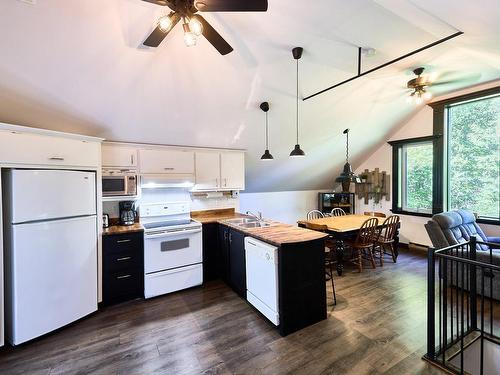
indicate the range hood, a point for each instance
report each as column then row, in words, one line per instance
column 166, row 181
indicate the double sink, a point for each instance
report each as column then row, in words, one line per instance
column 248, row 222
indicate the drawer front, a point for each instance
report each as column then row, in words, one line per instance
column 121, row 262
column 123, row 244
column 159, row 283
column 122, row 285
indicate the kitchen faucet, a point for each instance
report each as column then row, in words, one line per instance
column 258, row 216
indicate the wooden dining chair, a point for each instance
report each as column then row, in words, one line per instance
column 374, row 213
column 337, row 212
column 315, row 214
column 330, row 256
column 384, row 242
column 362, row 246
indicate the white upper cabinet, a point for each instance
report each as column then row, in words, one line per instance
column 166, row 161
column 24, row 147
column 207, row 170
column 119, row 156
column 232, row 170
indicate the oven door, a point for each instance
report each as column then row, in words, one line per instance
column 172, row 249
column 114, row 185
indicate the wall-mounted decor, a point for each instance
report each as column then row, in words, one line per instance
column 374, row 185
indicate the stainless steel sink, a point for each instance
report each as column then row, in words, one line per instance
column 241, row 220
column 255, row 224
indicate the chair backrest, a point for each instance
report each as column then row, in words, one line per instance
column 376, row 214
column 367, row 232
column 337, row 212
column 458, row 226
column 389, row 229
column 315, row 214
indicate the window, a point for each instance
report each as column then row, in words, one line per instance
column 413, row 175
column 458, row 166
column 417, row 177
column 473, row 157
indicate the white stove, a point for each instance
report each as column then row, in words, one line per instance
column 172, row 248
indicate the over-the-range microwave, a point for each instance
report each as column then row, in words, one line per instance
column 119, row 182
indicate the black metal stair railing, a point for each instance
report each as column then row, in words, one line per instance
column 460, row 304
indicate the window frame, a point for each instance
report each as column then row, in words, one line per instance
column 441, row 126
column 397, row 164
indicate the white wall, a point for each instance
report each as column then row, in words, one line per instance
column 412, row 227
column 284, row 206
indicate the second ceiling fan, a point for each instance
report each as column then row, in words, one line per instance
column 194, row 24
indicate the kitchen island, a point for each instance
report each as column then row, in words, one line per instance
column 301, row 271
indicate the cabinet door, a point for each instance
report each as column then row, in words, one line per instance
column 118, row 156
column 207, row 170
column 237, row 266
column 232, row 166
column 166, row 161
column 223, row 253
column 210, row 251
column 38, row 149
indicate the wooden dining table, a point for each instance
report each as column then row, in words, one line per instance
column 341, row 228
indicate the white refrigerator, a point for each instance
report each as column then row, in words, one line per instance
column 50, row 250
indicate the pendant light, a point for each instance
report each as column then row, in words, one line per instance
column 267, row 155
column 347, row 176
column 297, row 152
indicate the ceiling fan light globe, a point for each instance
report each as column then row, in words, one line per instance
column 427, row 95
column 196, row 27
column 189, row 39
column 419, row 100
column 165, row 23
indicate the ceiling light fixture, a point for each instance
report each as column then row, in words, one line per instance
column 189, row 36
column 267, row 155
column 419, row 87
column 297, row 151
column 196, row 27
column 165, row 23
column 347, row 176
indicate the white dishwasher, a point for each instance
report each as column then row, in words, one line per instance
column 262, row 277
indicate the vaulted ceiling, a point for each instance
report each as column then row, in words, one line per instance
column 78, row 66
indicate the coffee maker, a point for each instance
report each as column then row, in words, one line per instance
column 127, row 212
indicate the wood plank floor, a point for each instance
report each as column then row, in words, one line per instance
column 378, row 326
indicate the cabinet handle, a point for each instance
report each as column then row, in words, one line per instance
column 169, row 169
column 132, row 159
column 225, row 235
column 122, row 259
column 225, row 182
column 123, row 241
column 123, row 277
column 216, row 182
column 57, row 158
column 230, row 237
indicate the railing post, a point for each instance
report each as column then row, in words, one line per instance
column 473, row 283
column 431, row 304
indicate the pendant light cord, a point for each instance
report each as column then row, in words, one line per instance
column 347, row 148
column 267, row 134
column 297, row 101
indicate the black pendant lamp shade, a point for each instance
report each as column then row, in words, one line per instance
column 267, row 155
column 347, row 176
column 297, row 151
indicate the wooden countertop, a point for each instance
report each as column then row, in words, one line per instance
column 276, row 234
column 122, row 229
column 215, row 216
column 345, row 223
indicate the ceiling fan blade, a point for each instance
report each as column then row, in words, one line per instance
column 159, row 2
column 458, row 78
column 214, row 37
column 156, row 37
column 231, row 5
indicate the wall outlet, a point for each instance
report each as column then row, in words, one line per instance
column 30, row 2
column 235, row 193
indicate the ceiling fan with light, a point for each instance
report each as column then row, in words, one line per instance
column 195, row 25
column 418, row 86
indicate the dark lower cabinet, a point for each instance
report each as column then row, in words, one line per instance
column 237, row 265
column 210, row 251
column 122, row 267
column 223, row 253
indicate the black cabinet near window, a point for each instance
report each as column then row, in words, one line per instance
column 122, row 267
